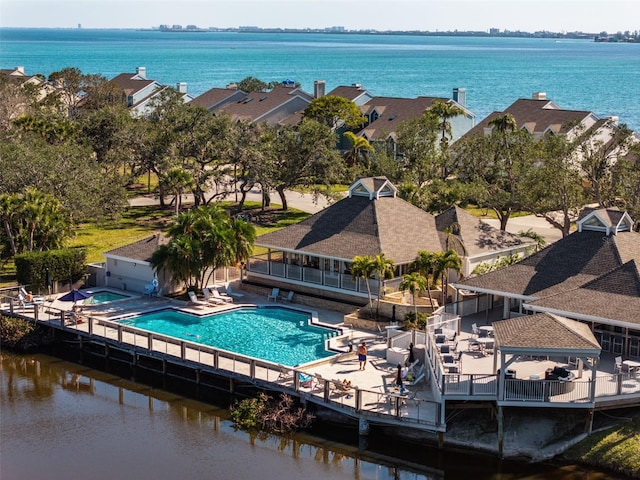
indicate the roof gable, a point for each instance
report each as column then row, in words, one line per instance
column 140, row 251
column 373, row 187
column 544, row 331
column 607, row 220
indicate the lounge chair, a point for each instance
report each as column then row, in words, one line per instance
column 220, row 296
column 231, row 293
column 285, row 374
column 23, row 302
column 36, row 298
column 212, row 299
column 195, row 301
column 419, row 376
column 288, row 297
column 273, row 295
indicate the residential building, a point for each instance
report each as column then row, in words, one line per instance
column 141, row 91
column 592, row 275
column 315, row 255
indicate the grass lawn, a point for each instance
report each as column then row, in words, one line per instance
column 617, row 449
column 489, row 213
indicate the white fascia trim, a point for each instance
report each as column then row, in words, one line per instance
column 126, row 259
column 581, row 316
column 459, row 286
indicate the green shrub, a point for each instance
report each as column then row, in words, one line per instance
column 418, row 321
column 19, row 334
column 281, row 416
column 67, row 265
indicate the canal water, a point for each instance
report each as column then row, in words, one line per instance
column 60, row 420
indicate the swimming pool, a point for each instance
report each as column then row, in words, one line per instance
column 276, row 334
column 104, row 296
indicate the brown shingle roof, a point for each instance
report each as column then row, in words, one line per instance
column 564, row 265
column 258, row 104
column 217, row 98
column 389, row 225
column 130, row 84
column 359, row 226
column 537, row 116
column 544, row 331
column 393, row 111
column 142, row 250
column 476, row 236
column 616, row 293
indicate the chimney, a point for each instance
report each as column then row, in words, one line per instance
column 232, row 86
column 20, row 70
column 318, row 88
column 181, row 87
column 539, row 95
column 142, row 72
column 460, row 96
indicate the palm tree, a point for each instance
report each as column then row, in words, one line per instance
column 177, row 181
column 363, row 267
column 446, row 261
column 504, row 123
column 425, row 264
column 415, row 283
column 445, row 111
column 202, row 240
column 360, row 149
column 383, row 268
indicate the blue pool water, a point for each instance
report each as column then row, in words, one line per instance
column 275, row 334
column 104, row 297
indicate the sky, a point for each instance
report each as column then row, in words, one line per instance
column 593, row 16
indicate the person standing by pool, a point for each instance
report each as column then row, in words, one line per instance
column 362, row 355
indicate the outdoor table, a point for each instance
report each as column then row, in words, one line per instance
column 485, row 342
column 632, row 365
column 487, row 329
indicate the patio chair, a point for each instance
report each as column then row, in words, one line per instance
column 194, row 300
column 475, row 330
column 618, row 365
column 288, row 297
column 285, row 375
column 273, row 295
column 231, row 293
column 211, row 298
column 218, row 296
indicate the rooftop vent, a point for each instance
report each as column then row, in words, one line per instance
column 539, row 95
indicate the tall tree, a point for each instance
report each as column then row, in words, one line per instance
column 360, row 151
column 425, row 265
column 555, row 190
column 446, row 261
column 177, row 181
column 415, row 283
column 202, row 240
column 445, row 111
column 417, row 149
column 384, row 268
column 334, row 112
column 497, row 165
column 363, row 267
column 305, row 156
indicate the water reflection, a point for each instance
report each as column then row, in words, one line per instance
column 61, row 421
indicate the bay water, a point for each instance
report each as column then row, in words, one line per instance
column 496, row 71
column 64, row 421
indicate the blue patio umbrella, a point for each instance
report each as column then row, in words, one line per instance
column 75, row 295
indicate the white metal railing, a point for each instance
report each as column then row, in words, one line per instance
column 312, row 275
column 294, row 272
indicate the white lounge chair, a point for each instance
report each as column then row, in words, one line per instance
column 150, row 288
column 273, row 295
column 211, row 298
column 419, row 376
column 195, row 301
column 219, row 296
column 35, row 299
column 231, row 293
column 288, row 297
